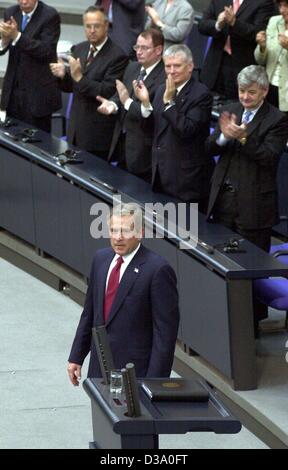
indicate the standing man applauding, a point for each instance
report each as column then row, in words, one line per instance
column 181, row 110
column 131, row 128
column 30, row 32
column 93, row 69
column 232, row 25
column 250, row 138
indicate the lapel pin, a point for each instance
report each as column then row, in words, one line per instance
column 136, row 270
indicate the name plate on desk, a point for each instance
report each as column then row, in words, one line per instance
column 175, row 390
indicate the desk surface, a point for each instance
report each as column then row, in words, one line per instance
column 252, row 264
column 163, row 417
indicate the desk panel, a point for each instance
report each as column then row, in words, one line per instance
column 90, row 244
column 58, row 217
column 282, row 177
column 204, row 312
column 16, row 196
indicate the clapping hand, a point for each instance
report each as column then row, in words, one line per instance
column 283, row 40
column 153, row 14
column 229, row 128
column 170, row 90
column 9, row 31
column 221, row 19
column 141, row 92
column 58, row 68
column 261, row 39
column 106, row 107
column 75, row 69
column 230, row 16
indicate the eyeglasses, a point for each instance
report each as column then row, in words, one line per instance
column 143, row 48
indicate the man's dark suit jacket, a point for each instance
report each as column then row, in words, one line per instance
column 143, row 323
column 89, row 129
column 139, row 134
column 28, row 65
column 179, row 139
column 257, row 165
column 251, row 17
column 128, row 22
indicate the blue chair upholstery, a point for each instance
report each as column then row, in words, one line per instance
column 273, row 292
column 64, row 118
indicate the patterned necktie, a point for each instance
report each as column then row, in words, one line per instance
column 141, row 76
column 25, row 19
column 247, row 116
column 91, row 55
column 227, row 47
column 113, row 284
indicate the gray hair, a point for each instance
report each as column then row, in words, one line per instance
column 180, row 49
column 129, row 209
column 96, row 9
column 253, row 74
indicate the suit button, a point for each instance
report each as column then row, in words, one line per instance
column 158, row 148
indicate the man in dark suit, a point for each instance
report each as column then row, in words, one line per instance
column 133, row 292
column 132, row 139
column 250, row 137
column 126, row 21
column 181, row 111
column 94, row 68
column 30, row 32
column 233, row 26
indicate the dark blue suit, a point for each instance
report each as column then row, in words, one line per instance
column 28, row 77
column 143, row 323
column 178, row 152
column 128, row 22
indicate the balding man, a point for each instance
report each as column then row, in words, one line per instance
column 94, row 68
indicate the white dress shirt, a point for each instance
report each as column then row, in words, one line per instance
column 126, row 261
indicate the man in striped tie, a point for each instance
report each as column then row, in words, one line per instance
column 132, row 290
column 94, row 67
column 250, row 138
column 130, row 128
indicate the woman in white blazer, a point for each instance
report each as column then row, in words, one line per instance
column 272, row 52
column 173, row 17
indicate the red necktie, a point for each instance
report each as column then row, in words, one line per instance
column 227, row 47
column 106, row 5
column 113, row 284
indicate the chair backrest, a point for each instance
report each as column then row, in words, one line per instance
column 68, row 107
column 280, row 252
column 199, row 45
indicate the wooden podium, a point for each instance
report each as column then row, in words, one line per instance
column 112, row 429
